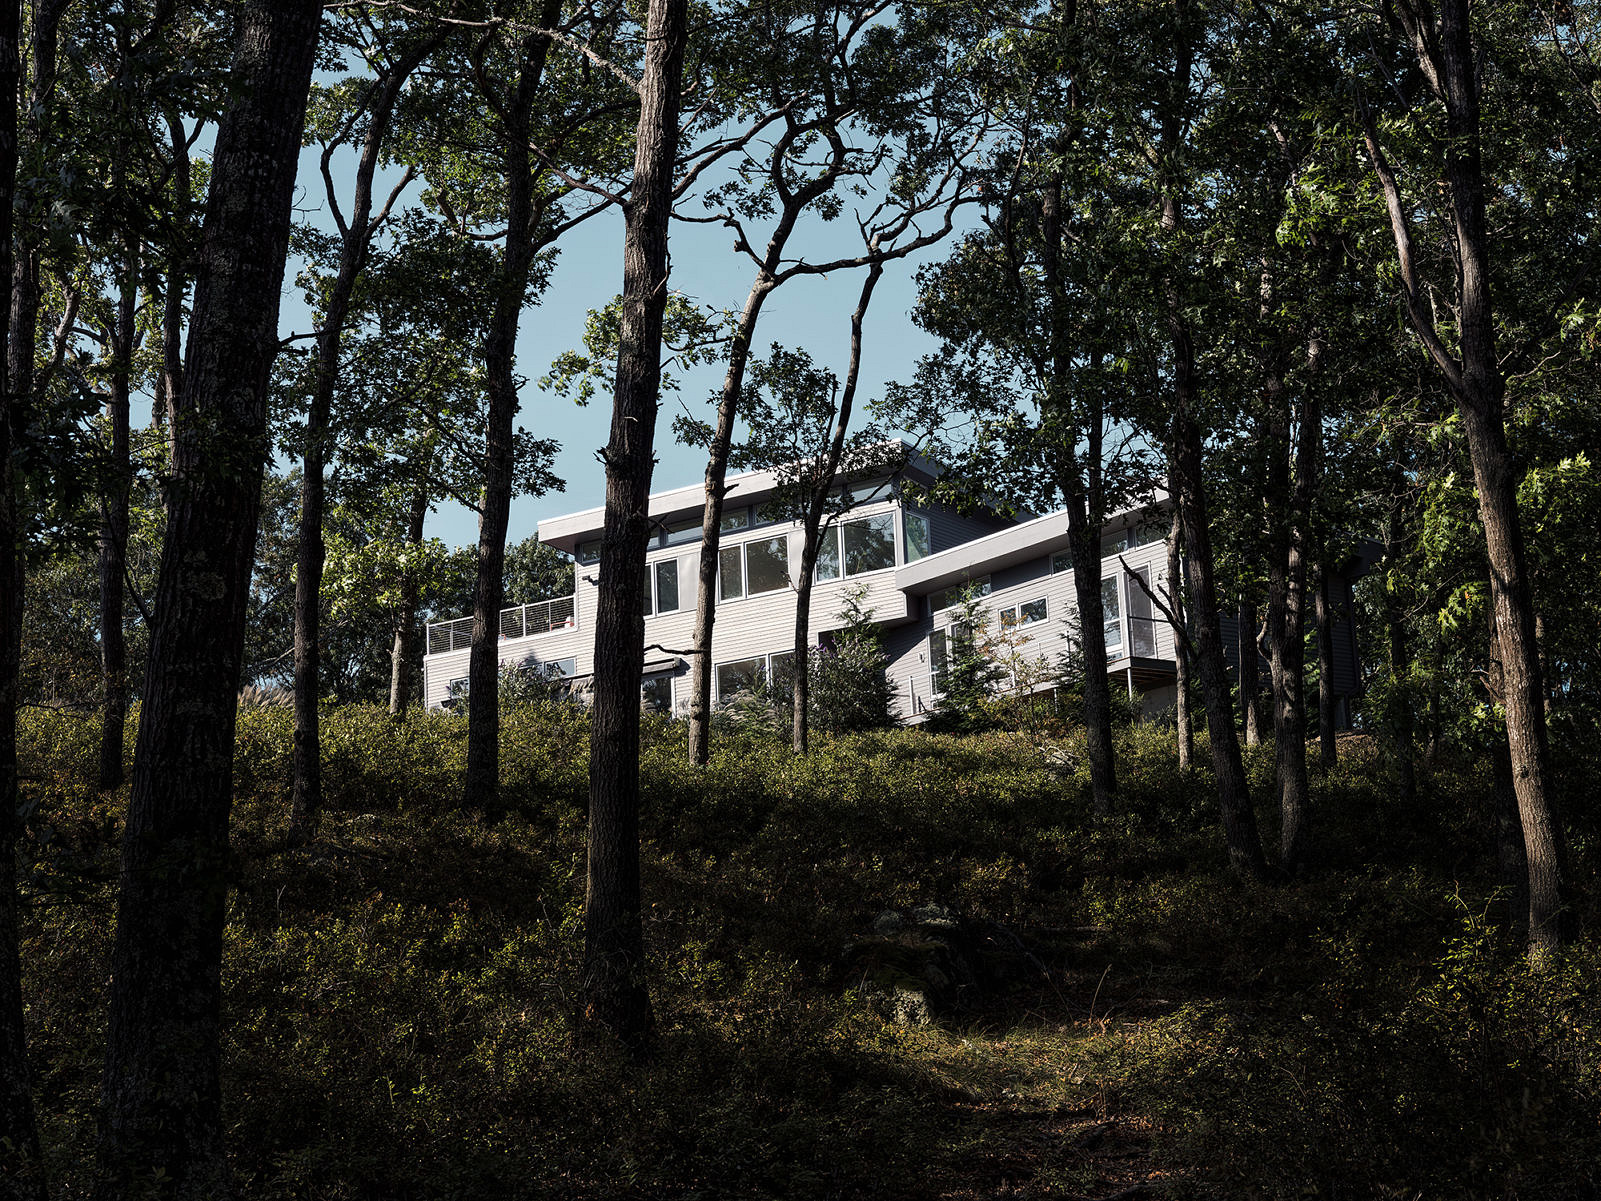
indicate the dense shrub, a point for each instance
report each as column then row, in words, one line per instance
column 400, row 996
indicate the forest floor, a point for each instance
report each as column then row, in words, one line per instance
column 1123, row 1018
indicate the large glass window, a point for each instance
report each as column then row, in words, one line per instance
column 731, row 573
column 667, row 586
column 1111, row 614
column 869, row 543
column 767, row 564
column 943, row 647
column 919, row 536
column 738, row 676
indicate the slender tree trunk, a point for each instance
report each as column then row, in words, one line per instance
column 1510, row 855
column 615, row 995
column 1181, row 651
column 402, row 657
column 114, row 534
column 700, row 678
column 161, row 1127
column 482, row 784
column 311, row 551
column 1085, row 518
column 1446, row 52
column 177, row 283
column 1240, row 834
column 21, row 1175
column 802, row 684
column 1250, row 672
column 1234, row 797
column 1326, row 697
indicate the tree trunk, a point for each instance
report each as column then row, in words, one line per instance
column 482, row 785
column 1181, row 651
column 114, row 534
column 402, row 657
column 700, row 678
column 1509, row 849
column 1326, row 698
column 311, row 551
column 1234, row 798
column 802, row 684
column 614, row 989
column 1479, row 389
column 21, row 1175
column 177, row 284
column 1250, row 672
column 161, row 1127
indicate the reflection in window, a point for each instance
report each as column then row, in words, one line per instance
column 767, row 564
column 656, row 694
column 742, row 675
column 731, row 573
column 1116, row 544
column 1031, row 612
column 828, row 554
column 667, row 586
column 869, row 544
column 589, row 552
column 1061, row 561
column 919, row 537
column 1111, row 614
column 736, row 519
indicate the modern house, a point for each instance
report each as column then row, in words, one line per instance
column 912, row 561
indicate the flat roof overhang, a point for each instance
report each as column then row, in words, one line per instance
column 995, row 552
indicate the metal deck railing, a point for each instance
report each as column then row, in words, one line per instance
column 524, row 621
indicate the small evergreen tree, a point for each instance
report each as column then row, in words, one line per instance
column 850, row 685
column 971, row 671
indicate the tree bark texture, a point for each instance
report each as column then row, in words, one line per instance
column 1510, row 856
column 800, row 730
column 482, row 784
column 1240, row 834
column 615, row 996
column 311, row 551
column 700, row 678
column 404, row 653
column 161, row 1120
column 1181, row 651
column 1326, row 696
column 1446, row 54
column 114, row 533
column 1250, row 673
column 1081, row 489
column 21, row 1176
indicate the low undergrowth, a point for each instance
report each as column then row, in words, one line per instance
column 401, row 996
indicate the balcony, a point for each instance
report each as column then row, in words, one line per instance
column 524, row 621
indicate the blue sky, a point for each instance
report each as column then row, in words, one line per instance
column 812, row 313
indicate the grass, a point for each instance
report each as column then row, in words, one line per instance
column 400, row 996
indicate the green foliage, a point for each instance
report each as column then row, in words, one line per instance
column 536, row 572
column 973, row 670
column 400, row 997
column 850, row 690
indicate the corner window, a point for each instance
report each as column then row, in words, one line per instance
column 919, row 536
